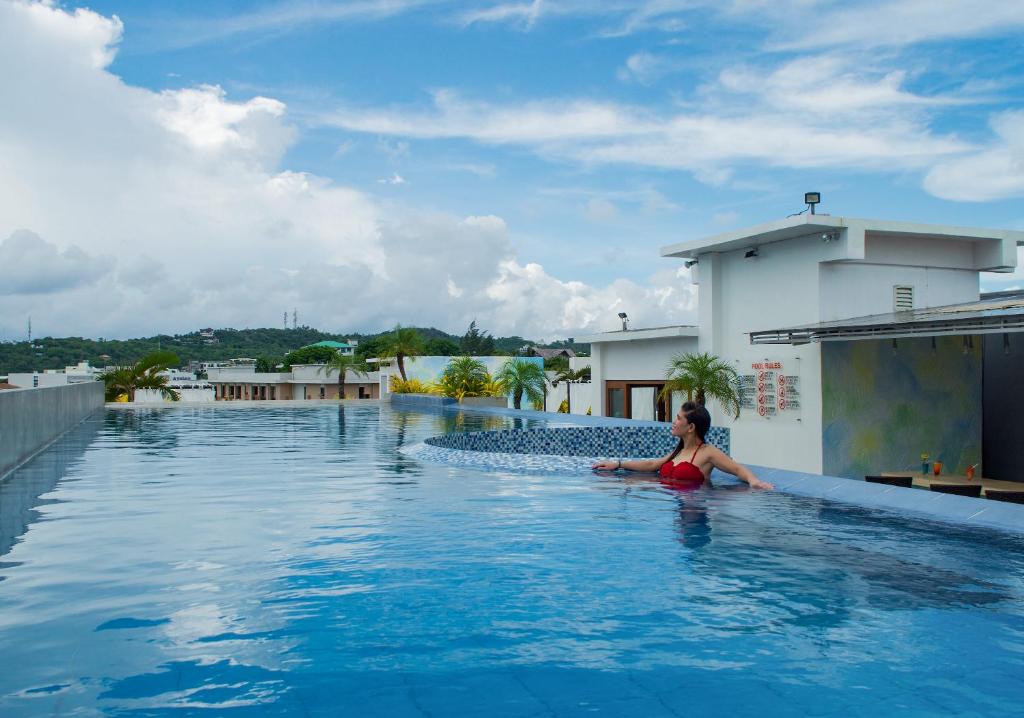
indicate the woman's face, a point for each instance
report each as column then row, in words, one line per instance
column 680, row 426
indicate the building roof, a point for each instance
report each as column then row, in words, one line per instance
column 330, row 344
column 991, row 314
column 6, row 385
column 631, row 335
column 1002, row 259
column 548, row 353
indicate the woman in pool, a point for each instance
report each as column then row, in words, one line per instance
column 696, row 458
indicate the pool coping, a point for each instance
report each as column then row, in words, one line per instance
column 918, row 503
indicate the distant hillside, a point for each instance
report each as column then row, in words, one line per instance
column 56, row 353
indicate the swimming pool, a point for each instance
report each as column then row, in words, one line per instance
column 295, row 561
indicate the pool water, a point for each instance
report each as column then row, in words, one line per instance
column 293, row 561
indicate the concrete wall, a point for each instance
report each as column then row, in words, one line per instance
column 32, row 418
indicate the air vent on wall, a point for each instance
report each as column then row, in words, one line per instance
column 902, row 298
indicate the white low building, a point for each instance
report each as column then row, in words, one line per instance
column 799, row 271
column 77, row 374
column 628, row 369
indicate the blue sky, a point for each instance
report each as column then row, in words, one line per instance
column 433, row 162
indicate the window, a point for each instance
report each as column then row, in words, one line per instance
column 617, row 403
column 902, row 298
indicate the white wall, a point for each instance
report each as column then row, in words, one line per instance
column 646, row 359
column 779, row 288
column 189, row 396
column 24, row 380
column 584, row 396
column 867, row 288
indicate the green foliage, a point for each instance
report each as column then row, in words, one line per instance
column 465, row 376
column 308, row 355
column 125, row 381
column 477, row 343
column 411, row 386
column 56, row 353
column 438, row 347
column 703, row 376
column 345, row 365
column 265, row 365
column 401, row 343
column 520, row 377
column 556, row 363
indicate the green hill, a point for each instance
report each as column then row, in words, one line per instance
column 56, row 353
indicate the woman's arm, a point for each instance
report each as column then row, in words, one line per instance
column 632, row 464
column 724, row 462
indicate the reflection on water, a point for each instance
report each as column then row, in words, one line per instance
column 293, row 561
column 22, row 491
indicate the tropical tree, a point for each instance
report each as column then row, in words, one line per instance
column 465, row 376
column 401, row 343
column 143, row 374
column 522, row 377
column 344, row 364
column 570, row 377
column 476, row 343
column 703, row 376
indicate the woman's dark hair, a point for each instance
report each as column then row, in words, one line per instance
column 701, row 420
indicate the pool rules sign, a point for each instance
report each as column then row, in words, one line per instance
column 768, row 391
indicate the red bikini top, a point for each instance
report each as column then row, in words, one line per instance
column 684, row 471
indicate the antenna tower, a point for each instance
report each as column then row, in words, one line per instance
column 295, row 318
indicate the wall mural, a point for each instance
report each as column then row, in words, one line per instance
column 883, row 407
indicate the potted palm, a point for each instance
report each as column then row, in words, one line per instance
column 703, row 376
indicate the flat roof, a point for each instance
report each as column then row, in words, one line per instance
column 987, row 316
column 792, row 227
column 629, row 335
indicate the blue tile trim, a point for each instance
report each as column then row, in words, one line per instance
column 617, row 441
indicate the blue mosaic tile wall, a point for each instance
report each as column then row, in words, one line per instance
column 617, row 441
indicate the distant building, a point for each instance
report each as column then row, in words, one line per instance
column 303, row 382
column 544, row 353
column 77, row 374
column 344, row 348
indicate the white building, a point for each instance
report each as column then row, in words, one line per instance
column 798, row 271
column 628, row 370
column 77, row 374
column 303, row 382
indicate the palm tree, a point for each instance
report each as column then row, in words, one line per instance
column 704, row 376
column 522, row 377
column 402, row 343
column 143, row 374
column 570, row 377
column 465, row 376
column 344, row 364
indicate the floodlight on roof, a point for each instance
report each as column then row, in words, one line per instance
column 625, row 320
column 811, row 199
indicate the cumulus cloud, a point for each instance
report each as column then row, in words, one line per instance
column 169, row 211
column 30, row 265
column 995, row 172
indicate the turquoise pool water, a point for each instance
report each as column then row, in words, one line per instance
column 293, row 561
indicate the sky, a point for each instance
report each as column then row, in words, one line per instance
column 171, row 166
